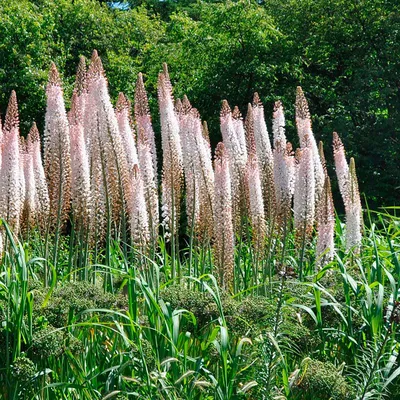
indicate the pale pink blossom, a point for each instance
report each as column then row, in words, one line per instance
column 284, row 176
column 149, row 179
column 353, row 211
column 304, row 194
column 326, row 226
column 57, row 156
column 29, row 210
column 10, row 175
column 143, row 119
column 278, row 124
column 265, row 157
column 138, row 212
column 80, row 189
column 109, row 169
column 224, row 237
column 42, row 201
column 189, row 157
column 172, row 173
column 231, row 130
column 122, row 111
column 306, row 136
column 342, row 168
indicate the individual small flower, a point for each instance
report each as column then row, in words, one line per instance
column 57, row 156
column 265, row 157
column 223, row 226
column 10, row 175
column 172, row 173
column 304, row 194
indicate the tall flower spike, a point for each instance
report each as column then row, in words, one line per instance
column 278, row 124
column 28, row 215
column 265, row 157
column 10, row 175
column 143, row 119
column 42, row 201
column 326, row 226
column 325, row 219
column 80, row 79
column 224, row 237
column 57, row 156
column 204, row 177
column 186, row 122
column 254, row 189
column 206, row 134
column 304, row 130
column 22, row 152
column 81, row 191
column 172, row 172
column 81, row 85
column 138, row 212
column 109, row 170
column 341, row 166
column 284, row 176
column 149, row 179
column 353, row 211
column 304, row 194
column 122, row 111
column 231, row 130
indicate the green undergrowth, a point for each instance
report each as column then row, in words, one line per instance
column 129, row 331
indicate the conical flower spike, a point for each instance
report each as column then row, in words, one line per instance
column 10, row 176
column 224, row 237
column 57, row 156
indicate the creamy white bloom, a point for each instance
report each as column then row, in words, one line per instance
column 10, row 175
column 57, row 156
column 172, row 174
column 224, row 237
column 304, row 194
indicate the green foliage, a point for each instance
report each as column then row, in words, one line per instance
column 322, row 381
column 73, row 298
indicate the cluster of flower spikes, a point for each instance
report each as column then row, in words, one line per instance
column 102, row 165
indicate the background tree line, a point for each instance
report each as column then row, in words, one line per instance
column 344, row 53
